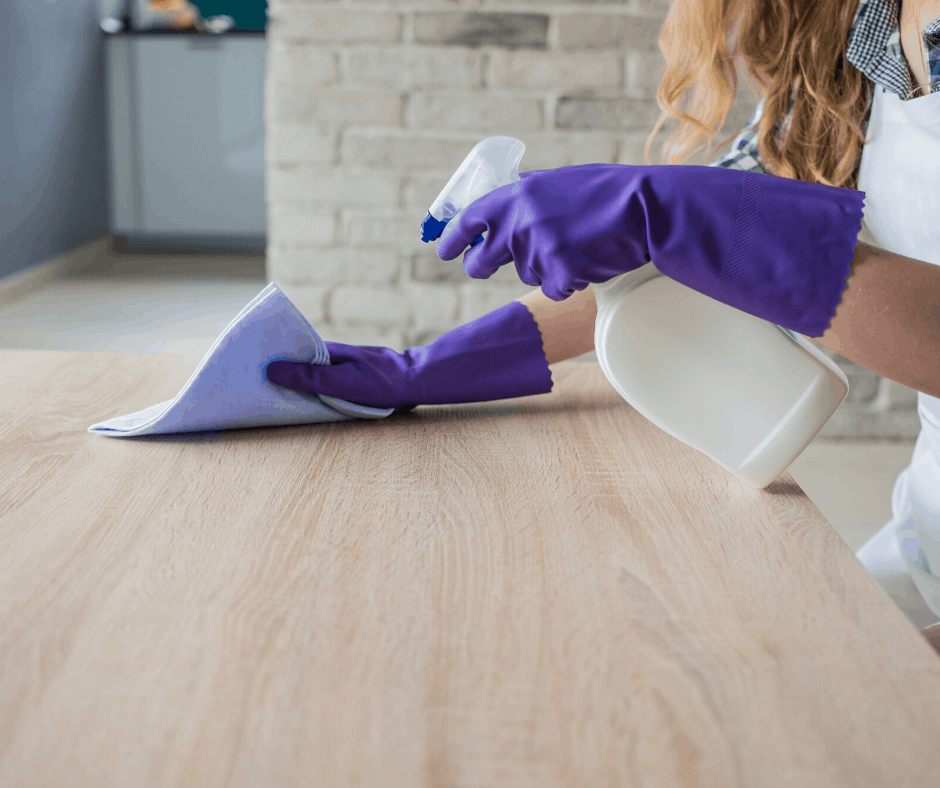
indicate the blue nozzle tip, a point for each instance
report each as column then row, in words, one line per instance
column 431, row 228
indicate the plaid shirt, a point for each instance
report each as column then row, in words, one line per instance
column 874, row 47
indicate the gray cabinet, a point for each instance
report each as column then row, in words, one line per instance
column 187, row 138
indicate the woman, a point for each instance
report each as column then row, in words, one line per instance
column 783, row 248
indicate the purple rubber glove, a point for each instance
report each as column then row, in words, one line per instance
column 773, row 247
column 497, row 356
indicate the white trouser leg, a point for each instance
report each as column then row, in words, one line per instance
column 881, row 556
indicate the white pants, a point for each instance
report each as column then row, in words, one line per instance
column 882, row 556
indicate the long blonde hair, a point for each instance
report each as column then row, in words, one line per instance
column 792, row 50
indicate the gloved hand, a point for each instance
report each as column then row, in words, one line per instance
column 497, row 356
column 776, row 248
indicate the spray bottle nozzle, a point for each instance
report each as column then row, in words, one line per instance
column 492, row 163
column 431, row 228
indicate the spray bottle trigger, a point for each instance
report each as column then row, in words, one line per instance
column 477, row 240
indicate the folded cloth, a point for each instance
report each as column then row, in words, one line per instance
column 229, row 389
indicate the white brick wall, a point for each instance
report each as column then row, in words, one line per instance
column 372, row 104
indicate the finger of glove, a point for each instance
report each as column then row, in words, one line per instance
column 527, row 274
column 459, row 233
column 299, row 376
column 484, row 260
column 340, row 353
column 553, row 292
column 346, row 381
column 560, row 286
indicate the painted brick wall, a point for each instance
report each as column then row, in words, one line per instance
column 370, row 106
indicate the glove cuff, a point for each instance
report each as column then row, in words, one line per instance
column 790, row 252
column 497, row 356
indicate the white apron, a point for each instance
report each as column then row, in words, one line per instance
column 900, row 175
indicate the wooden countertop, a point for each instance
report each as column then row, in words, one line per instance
column 547, row 591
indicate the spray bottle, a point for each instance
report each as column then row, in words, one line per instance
column 747, row 393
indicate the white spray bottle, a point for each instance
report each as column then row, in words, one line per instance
column 747, row 393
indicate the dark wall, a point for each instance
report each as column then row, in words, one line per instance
column 53, row 165
column 248, row 14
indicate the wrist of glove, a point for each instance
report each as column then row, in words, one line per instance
column 497, row 356
column 776, row 248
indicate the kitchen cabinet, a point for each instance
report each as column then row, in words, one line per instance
column 187, row 137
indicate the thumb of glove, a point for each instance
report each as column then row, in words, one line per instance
column 301, row 376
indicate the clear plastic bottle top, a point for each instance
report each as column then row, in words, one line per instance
column 492, row 163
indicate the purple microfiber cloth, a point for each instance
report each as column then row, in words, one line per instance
column 229, row 388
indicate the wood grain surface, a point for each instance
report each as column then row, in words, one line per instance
column 547, row 591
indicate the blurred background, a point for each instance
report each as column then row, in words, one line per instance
column 166, row 158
